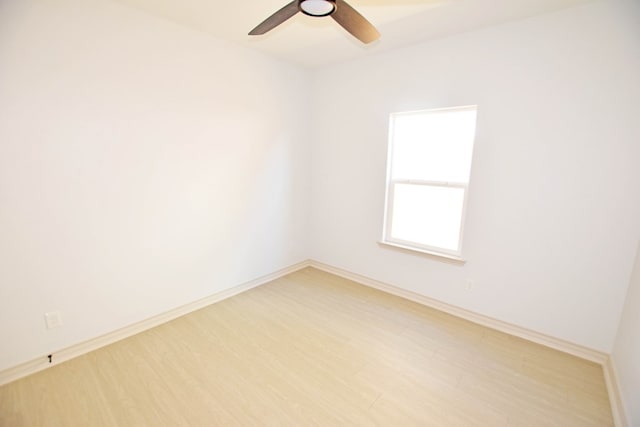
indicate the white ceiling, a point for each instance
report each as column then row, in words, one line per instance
column 314, row 42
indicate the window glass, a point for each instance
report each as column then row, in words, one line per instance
column 429, row 167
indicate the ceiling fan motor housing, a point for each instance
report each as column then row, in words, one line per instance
column 317, row 8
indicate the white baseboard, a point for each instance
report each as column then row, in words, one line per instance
column 79, row 349
column 548, row 341
column 620, row 416
column 41, row 363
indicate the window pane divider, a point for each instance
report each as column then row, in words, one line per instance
column 431, row 183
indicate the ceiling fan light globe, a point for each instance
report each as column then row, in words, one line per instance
column 317, row 7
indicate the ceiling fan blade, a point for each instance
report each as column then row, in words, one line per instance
column 355, row 23
column 276, row 19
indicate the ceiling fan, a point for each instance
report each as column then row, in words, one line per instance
column 339, row 10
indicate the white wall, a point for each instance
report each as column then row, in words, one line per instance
column 554, row 210
column 142, row 166
column 626, row 353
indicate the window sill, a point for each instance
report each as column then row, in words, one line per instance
column 439, row 256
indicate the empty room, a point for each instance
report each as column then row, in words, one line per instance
column 320, row 212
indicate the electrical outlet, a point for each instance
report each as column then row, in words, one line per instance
column 468, row 285
column 53, row 319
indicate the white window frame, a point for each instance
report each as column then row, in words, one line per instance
column 389, row 198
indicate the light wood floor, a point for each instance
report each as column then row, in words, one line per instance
column 314, row 349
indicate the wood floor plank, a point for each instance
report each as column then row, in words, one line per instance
column 311, row 349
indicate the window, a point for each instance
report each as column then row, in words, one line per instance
column 428, row 179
